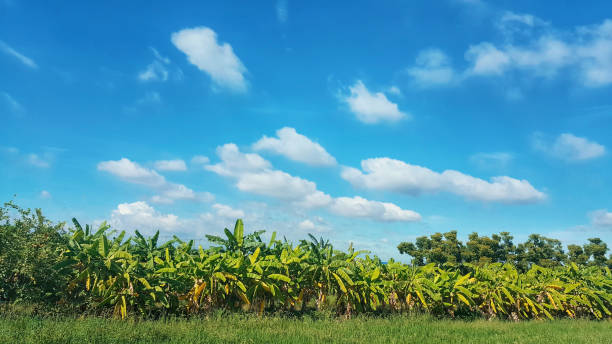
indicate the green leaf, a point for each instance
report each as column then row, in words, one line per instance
column 340, row 283
column 239, row 232
column 280, row 277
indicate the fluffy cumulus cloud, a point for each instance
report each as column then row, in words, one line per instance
column 306, row 225
column 145, row 218
column 432, row 68
column 45, row 194
column 5, row 48
column 601, row 218
column 235, row 163
column 142, row 217
column 255, row 175
column 370, row 107
column 212, row 57
column 381, row 211
column 171, row 165
column 132, row 172
column 295, row 146
column 569, row 147
column 395, row 175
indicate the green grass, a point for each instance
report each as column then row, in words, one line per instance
column 250, row 329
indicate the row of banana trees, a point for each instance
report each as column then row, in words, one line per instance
column 140, row 276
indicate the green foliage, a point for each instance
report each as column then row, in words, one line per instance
column 499, row 248
column 102, row 272
column 29, row 249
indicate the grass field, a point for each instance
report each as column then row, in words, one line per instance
column 249, row 329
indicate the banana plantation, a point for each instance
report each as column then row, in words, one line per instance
column 239, row 272
column 99, row 271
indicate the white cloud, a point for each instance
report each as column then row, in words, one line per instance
column 512, row 24
column 486, row 59
column 432, row 68
column 37, row 161
column 159, row 57
column 281, row 185
column 45, row 194
column 296, row 147
column 380, row 211
column 306, row 225
column 149, row 98
column 372, row 108
column 13, row 105
column 132, row 172
column 492, row 160
column 586, row 50
column 200, row 160
column 145, row 218
column 142, row 217
column 394, row 90
column 395, row 175
column 42, row 160
column 282, row 12
column 217, row 60
column 171, row 165
column 569, row 147
column 22, row 58
column 234, row 163
column 226, row 211
column 255, row 175
column 155, row 71
column 601, row 218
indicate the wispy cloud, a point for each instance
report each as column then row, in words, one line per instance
column 282, row 11
column 19, row 56
column 13, row 105
column 432, row 68
column 171, row 165
column 601, row 218
column 532, row 47
column 568, row 147
column 492, row 160
column 156, row 70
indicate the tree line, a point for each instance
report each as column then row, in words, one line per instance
column 445, row 248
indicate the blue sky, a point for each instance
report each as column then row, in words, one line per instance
column 364, row 122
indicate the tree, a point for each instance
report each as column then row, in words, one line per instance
column 540, row 250
column 438, row 248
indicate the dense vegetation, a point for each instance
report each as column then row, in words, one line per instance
column 95, row 271
column 546, row 252
column 227, row 328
